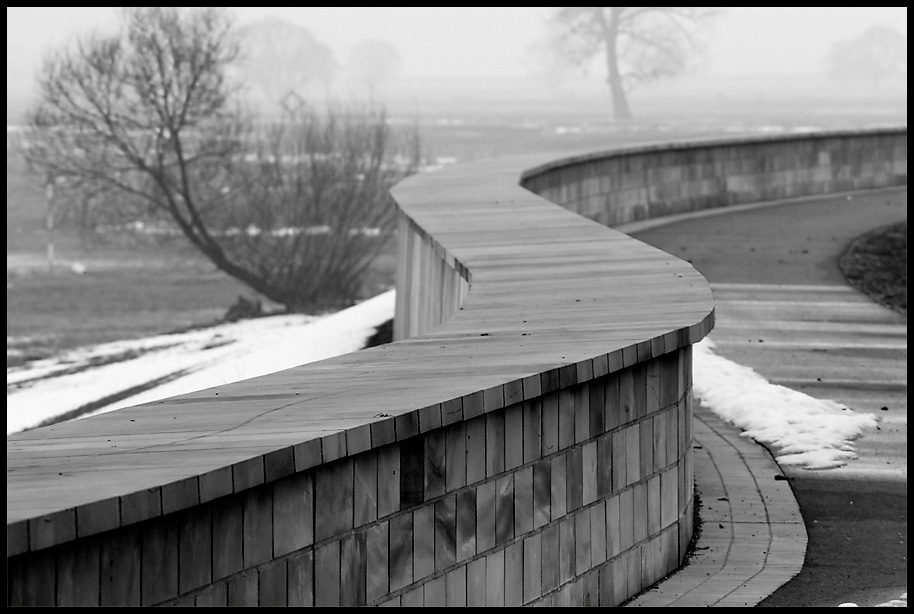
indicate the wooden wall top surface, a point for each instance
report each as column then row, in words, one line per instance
column 554, row 299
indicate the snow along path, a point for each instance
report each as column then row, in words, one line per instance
column 804, row 431
column 144, row 370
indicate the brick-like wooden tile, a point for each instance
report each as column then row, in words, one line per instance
column 195, row 548
column 456, row 588
column 78, row 568
column 258, row 527
column 300, row 582
column 485, row 516
column 327, row 575
column 228, row 537
column 495, row 579
column 159, row 562
column 445, row 532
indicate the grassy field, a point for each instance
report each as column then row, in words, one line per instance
column 877, row 265
column 137, row 292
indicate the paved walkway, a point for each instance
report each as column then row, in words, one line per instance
column 783, row 309
column 752, row 535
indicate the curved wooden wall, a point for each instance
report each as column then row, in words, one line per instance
column 526, row 440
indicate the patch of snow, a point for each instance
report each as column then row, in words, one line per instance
column 805, row 431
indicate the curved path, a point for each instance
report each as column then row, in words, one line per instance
column 783, row 308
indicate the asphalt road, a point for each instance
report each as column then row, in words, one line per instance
column 784, row 309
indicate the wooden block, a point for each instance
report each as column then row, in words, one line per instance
column 550, row 564
column 584, row 370
column 423, row 542
column 620, row 462
column 532, row 425
column 293, row 513
column 452, row 411
column 97, row 517
column 227, row 537
column 533, row 568
column 566, row 418
column 258, row 527
column 414, row 598
column 333, row 499
column 514, row 436
column 430, row 419
column 523, row 501
column 590, row 588
column 52, row 529
column 597, row 407
column 445, row 532
column 159, row 562
column 532, row 387
column 598, row 533
column 358, row 439
column 504, row 509
column 476, row 583
column 307, row 454
column 327, row 575
column 121, row 558
column 514, row 392
column 466, row 524
column 589, row 472
column 473, row 405
column 653, row 506
column 485, row 516
column 632, row 454
column 495, row 579
column 582, row 548
column 575, row 479
column 672, row 436
column 388, row 480
column 435, row 456
column 401, row 551
column 377, row 545
column 639, row 390
column 659, row 443
column 247, row 474
column 272, row 587
column 620, row 580
column 407, row 425
column 549, row 381
column 213, row 484
column 17, row 538
column 669, row 496
column 435, row 593
column 242, row 591
column 300, row 583
column 568, row 376
column 78, row 580
column 195, row 548
column 455, row 465
column 353, row 569
column 28, row 580
column 558, row 486
column 670, row 379
column 383, row 432
column 613, row 415
column 581, row 395
column 365, row 507
column 215, row 596
column 514, row 575
column 567, row 550
column 604, row 466
column 333, row 447
column 550, row 424
column 626, row 396
column 640, row 511
column 646, row 447
column 626, row 519
column 493, row 398
column 542, row 493
column 653, row 374
column 456, row 588
column 606, row 586
column 278, row 464
column 633, row 560
column 495, row 443
column 476, row 450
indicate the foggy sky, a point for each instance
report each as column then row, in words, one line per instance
column 489, row 41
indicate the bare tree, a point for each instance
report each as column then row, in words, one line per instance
column 279, row 57
column 147, row 114
column 639, row 43
column 878, row 54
